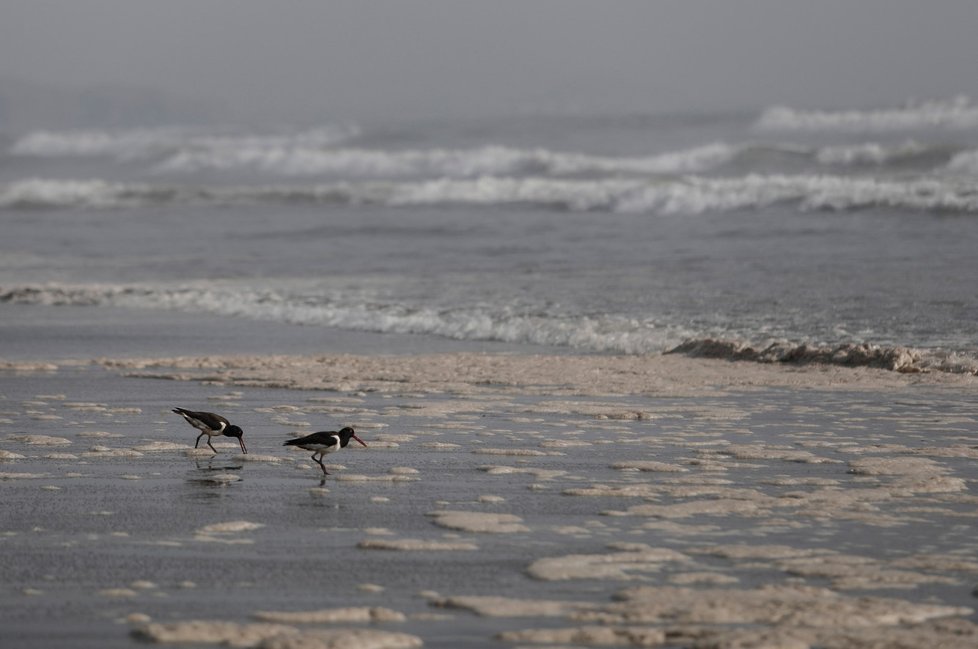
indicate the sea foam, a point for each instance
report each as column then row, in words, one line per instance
column 479, row 322
column 965, row 162
column 135, row 144
column 894, row 358
column 686, row 195
column 289, row 160
column 957, row 113
column 354, row 312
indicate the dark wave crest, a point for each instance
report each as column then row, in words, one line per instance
column 896, row 358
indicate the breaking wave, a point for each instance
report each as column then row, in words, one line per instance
column 477, row 322
column 508, row 161
column 323, row 153
column 957, row 113
column 893, row 358
column 315, row 153
column 688, row 195
column 489, row 160
column 965, row 162
column 352, row 312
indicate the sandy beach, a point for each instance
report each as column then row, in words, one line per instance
column 504, row 500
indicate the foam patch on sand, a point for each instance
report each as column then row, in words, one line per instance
column 224, row 532
column 211, row 632
column 647, row 491
column 98, row 434
column 99, row 451
column 590, row 635
column 86, row 406
column 792, row 605
column 332, row 615
column 540, row 474
column 230, row 527
column 630, row 561
column 40, row 440
column 66, row 457
column 767, row 452
column 705, row 507
column 882, row 479
column 403, row 470
column 526, row 452
column 152, row 447
column 913, row 474
column 844, row 571
column 785, row 616
column 491, row 606
column 271, row 636
column 219, row 478
column 651, row 466
column 850, row 572
column 440, row 446
column 256, row 457
column 564, row 443
column 488, row 522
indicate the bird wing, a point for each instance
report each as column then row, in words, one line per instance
column 203, row 420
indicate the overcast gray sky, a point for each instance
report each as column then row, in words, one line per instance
column 368, row 59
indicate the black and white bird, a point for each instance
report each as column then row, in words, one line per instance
column 323, row 442
column 210, row 424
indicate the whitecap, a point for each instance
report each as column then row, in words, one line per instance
column 133, row 144
column 449, row 163
column 689, row 195
column 957, row 113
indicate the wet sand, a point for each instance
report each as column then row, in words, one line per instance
column 505, row 500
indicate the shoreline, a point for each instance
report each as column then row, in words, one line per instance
column 473, row 373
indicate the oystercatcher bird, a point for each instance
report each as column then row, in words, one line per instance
column 210, row 424
column 323, row 442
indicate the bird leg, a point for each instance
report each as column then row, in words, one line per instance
column 198, row 440
column 211, row 445
column 320, row 463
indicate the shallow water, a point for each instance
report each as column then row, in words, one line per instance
column 92, row 539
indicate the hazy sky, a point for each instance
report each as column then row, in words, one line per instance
column 365, row 59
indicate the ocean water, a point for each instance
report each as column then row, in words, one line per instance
column 577, row 233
